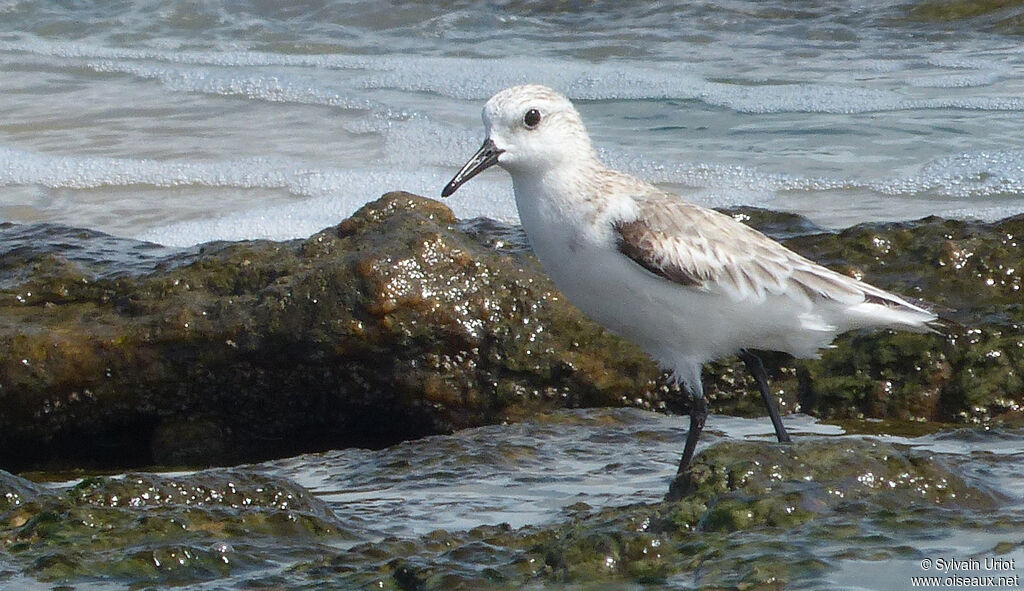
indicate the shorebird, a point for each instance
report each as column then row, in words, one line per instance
column 686, row 283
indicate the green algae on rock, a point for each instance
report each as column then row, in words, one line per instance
column 147, row 529
column 15, row 492
column 402, row 322
column 393, row 325
column 834, row 471
column 973, row 270
column 997, row 15
column 757, row 516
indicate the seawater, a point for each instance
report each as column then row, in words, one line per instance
column 183, row 122
column 542, row 470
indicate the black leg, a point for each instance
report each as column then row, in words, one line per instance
column 756, row 369
column 698, row 415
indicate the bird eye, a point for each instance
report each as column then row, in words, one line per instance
column 532, row 118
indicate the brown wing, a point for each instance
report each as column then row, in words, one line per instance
column 638, row 241
column 703, row 249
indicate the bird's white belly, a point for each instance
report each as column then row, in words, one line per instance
column 628, row 300
column 677, row 325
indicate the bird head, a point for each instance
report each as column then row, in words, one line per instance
column 530, row 129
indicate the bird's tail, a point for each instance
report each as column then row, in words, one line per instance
column 883, row 309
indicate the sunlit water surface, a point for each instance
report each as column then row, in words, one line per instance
column 182, row 122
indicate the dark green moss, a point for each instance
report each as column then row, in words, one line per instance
column 262, row 349
column 15, row 492
column 954, row 10
column 150, row 529
column 755, row 516
column 240, row 351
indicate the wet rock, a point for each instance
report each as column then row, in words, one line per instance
column 402, row 321
column 969, row 271
column 755, row 516
column 972, row 272
column 986, row 15
column 144, row 529
column 828, row 473
column 392, row 325
column 211, row 488
column 15, row 492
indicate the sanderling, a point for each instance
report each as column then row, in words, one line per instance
column 686, row 283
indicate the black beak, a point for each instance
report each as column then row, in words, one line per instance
column 485, row 157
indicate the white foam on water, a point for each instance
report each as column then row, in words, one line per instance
column 973, row 79
column 421, row 155
column 324, row 196
column 479, row 78
column 20, row 167
column 968, row 177
column 426, row 122
column 653, row 81
column 976, row 174
column 70, row 49
column 304, row 90
column 345, row 193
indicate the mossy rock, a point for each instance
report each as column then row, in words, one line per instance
column 148, row 529
column 402, row 322
column 16, row 492
column 755, row 516
column 1001, row 16
column 392, row 325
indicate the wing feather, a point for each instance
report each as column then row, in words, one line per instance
column 702, row 249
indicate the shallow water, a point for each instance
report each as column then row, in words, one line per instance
column 520, row 474
column 182, row 122
column 537, row 472
column 542, row 471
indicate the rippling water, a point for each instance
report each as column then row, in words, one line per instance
column 521, row 474
column 534, row 472
column 539, row 471
column 181, row 122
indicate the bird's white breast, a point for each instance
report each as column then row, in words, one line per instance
column 677, row 325
column 582, row 259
